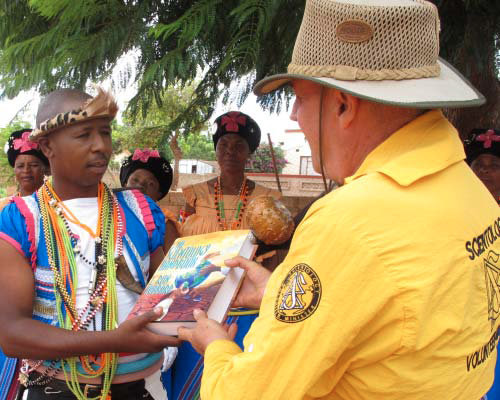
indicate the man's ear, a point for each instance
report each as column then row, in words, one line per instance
column 46, row 147
column 346, row 107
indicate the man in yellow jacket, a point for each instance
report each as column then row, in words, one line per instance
column 391, row 288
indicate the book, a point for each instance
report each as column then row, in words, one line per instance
column 193, row 275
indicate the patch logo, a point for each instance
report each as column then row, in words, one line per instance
column 299, row 295
column 492, row 277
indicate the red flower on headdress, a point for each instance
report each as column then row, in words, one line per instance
column 231, row 121
column 488, row 138
column 145, row 155
column 24, row 143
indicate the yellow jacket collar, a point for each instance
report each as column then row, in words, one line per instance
column 424, row 146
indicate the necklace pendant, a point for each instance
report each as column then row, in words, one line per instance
column 23, row 378
column 96, row 301
column 92, row 280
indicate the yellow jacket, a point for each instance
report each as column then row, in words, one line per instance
column 390, row 290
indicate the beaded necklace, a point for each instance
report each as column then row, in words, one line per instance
column 240, row 206
column 62, row 249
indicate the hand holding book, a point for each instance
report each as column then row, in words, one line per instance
column 206, row 331
column 254, row 283
column 133, row 335
column 193, row 276
column 250, row 295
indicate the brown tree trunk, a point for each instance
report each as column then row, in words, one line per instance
column 469, row 44
column 174, row 146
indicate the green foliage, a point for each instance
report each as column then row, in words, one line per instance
column 197, row 146
column 152, row 129
column 262, row 161
column 6, row 171
column 47, row 44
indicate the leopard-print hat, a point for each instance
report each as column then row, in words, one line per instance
column 101, row 106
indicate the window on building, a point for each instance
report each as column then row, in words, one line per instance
column 306, row 166
column 194, row 168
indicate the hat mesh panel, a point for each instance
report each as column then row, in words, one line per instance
column 405, row 38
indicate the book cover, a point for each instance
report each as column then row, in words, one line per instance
column 193, row 275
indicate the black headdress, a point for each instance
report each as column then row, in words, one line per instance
column 20, row 143
column 152, row 161
column 482, row 141
column 240, row 124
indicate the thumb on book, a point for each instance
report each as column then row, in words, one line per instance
column 151, row 315
column 199, row 314
column 239, row 261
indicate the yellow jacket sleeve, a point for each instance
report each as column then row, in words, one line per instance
column 313, row 320
column 389, row 291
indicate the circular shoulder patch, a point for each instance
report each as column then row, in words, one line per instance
column 299, row 295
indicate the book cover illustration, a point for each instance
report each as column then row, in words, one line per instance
column 191, row 275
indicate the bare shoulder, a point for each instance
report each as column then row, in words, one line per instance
column 16, row 282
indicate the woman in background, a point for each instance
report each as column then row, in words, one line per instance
column 28, row 162
column 216, row 205
column 219, row 203
column 149, row 172
column 30, row 166
column 483, row 155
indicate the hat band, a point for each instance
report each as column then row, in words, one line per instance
column 348, row 73
column 101, row 106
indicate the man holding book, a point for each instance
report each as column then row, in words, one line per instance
column 390, row 288
column 66, row 256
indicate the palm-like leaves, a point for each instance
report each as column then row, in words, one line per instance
column 47, row 44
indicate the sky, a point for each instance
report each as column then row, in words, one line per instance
column 272, row 123
column 10, row 107
column 293, row 144
column 275, row 124
column 269, row 123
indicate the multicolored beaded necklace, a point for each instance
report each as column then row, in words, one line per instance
column 62, row 249
column 240, row 206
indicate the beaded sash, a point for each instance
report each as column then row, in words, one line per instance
column 45, row 303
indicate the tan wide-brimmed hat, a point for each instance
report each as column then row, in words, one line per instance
column 381, row 50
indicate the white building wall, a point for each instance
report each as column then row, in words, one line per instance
column 296, row 147
column 189, row 166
